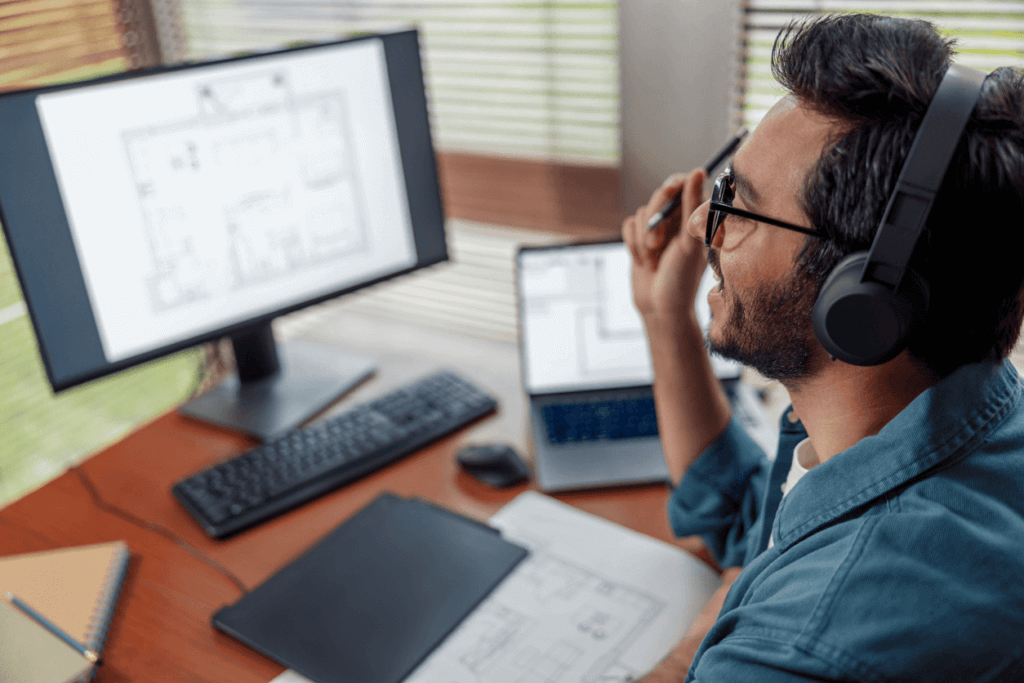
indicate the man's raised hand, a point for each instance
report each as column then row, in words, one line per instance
column 667, row 261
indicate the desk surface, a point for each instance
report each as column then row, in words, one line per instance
column 161, row 630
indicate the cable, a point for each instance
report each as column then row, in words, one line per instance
column 154, row 527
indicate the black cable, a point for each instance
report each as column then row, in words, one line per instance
column 154, row 527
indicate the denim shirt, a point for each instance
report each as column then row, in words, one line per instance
column 899, row 559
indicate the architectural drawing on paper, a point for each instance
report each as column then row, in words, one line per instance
column 589, row 624
column 258, row 178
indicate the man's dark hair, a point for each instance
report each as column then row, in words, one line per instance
column 876, row 76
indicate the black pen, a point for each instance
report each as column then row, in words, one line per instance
column 709, row 168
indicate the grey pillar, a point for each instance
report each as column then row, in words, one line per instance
column 678, row 59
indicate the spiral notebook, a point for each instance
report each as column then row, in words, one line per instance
column 75, row 588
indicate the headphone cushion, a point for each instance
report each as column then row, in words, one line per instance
column 866, row 323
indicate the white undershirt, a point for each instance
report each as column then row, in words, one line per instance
column 804, row 460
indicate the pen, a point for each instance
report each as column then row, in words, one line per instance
column 716, row 161
column 53, row 628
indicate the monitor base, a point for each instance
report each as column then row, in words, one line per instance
column 312, row 376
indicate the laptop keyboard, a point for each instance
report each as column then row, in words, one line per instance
column 600, row 420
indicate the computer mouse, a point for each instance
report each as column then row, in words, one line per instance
column 496, row 464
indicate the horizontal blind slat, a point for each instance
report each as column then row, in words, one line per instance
column 54, row 48
column 87, row 66
column 49, row 7
column 56, row 57
column 509, row 16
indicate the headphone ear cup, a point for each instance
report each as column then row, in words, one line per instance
column 865, row 323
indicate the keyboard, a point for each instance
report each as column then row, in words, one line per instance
column 600, row 420
column 274, row 477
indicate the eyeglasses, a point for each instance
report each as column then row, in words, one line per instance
column 721, row 203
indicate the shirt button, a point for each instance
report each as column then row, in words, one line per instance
column 792, row 417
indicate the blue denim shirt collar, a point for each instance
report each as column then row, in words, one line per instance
column 936, row 427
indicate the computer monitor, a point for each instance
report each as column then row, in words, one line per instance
column 152, row 211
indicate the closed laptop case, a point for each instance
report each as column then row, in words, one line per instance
column 371, row 600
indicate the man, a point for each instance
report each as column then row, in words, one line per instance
column 890, row 544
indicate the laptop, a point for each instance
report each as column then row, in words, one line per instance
column 586, row 367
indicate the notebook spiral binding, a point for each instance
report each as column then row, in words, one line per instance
column 108, row 598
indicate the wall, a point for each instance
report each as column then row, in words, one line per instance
column 677, row 60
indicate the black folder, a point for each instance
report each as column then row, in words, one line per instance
column 374, row 597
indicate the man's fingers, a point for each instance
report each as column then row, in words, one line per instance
column 634, row 234
column 645, row 245
column 629, row 236
column 693, row 191
column 669, row 189
column 669, row 228
column 657, row 237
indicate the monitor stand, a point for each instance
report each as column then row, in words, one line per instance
column 278, row 387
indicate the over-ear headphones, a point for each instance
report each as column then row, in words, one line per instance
column 872, row 300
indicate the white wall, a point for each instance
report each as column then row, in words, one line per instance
column 677, row 63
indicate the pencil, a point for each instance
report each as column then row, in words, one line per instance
column 716, row 161
column 53, row 628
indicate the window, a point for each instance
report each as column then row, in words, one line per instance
column 989, row 33
column 528, row 79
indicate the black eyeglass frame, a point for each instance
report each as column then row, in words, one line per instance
column 722, row 193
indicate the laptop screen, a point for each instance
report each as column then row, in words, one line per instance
column 579, row 328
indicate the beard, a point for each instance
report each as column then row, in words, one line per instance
column 769, row 327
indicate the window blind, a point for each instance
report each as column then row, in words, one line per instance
column 47, row 41
column 530, row 79
column 989, row 34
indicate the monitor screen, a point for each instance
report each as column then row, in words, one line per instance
column 152, row 211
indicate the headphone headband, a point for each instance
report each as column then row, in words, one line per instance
column 919, row 180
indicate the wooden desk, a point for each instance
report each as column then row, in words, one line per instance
column 161, row 630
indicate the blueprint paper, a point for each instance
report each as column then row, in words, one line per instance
column 593, row 602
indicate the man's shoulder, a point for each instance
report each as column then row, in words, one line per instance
column 900, row 592
column 936, row 590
